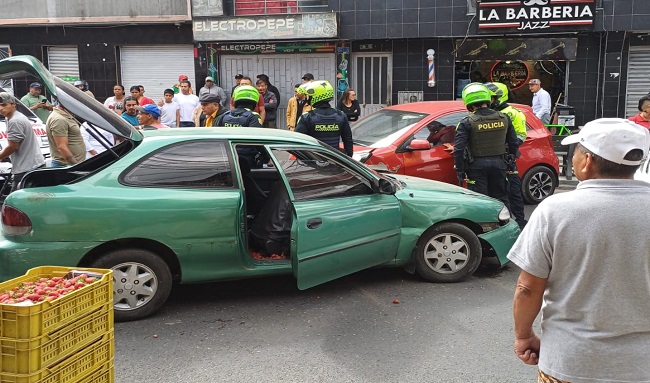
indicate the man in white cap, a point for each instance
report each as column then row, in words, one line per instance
column 211, row 88
column 541, row 101
column 585, row 263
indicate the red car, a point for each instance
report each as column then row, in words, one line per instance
column 412, row 139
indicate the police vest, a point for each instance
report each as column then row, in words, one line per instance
column 235, row 118
column 488, row 134
column 325, row 127
column 518, row 119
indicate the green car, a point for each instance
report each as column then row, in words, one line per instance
column 193, row 205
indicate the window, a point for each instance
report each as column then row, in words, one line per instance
column 313, row 175
column 442, row 130
column 195, row 164
column 270, row 7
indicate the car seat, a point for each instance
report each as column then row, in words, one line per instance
column 255, row 195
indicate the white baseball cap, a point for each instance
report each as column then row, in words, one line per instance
column 612, row 139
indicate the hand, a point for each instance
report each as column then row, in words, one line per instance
column 528, row 349
column 461, row 176
column 448, row 147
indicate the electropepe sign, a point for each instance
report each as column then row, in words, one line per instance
column 536, row 15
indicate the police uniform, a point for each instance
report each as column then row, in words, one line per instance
column 489, row 136
column 515, row 198
column 245, row 118
column 328, row 125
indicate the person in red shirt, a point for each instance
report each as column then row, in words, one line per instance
column 137, row 93
column 643, row 118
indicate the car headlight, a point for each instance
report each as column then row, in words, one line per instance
column 504, row 214
column 362, row 155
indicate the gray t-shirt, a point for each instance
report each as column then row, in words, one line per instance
column 28, row 156
column 591, row 245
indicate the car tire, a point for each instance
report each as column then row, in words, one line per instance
column 448, row 252
column 537, row 184
column 142, row 282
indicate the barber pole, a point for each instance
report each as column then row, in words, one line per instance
column 432, row 70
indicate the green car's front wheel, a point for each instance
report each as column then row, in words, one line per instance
column 142, row 282
column 448, row 252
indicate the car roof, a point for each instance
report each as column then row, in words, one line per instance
column 234, row 133
column 428, row 106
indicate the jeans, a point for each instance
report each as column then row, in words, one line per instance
column 187, row 124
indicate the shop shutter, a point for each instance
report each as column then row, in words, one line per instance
column 638, row 81
column 156, row 67
column 63, row 62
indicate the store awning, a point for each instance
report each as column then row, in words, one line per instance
column 540, row 48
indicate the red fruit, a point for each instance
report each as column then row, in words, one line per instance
column 89, row 280
column 395, row 301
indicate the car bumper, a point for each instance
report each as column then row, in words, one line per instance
column 16, row 258
column 502, row 240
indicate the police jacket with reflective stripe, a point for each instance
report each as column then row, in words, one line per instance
column 328, row 125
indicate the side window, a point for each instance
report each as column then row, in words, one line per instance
column 313, row 175
column 442, row 130
column 195, row 164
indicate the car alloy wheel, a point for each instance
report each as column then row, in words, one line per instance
column 537, row 184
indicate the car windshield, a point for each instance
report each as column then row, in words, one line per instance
column 378, row 126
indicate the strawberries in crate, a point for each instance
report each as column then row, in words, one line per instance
column 47, row 289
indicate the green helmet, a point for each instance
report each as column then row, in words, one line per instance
column 317, row 91
column 245, row 92
column 494, row 89
column 476, row 93
column 504, row 92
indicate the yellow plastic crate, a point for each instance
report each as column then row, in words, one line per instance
column 28, row 322
column 29, row 356
column 76, row 368
column 106, row 374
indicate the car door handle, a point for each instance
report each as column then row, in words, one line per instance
column 314, row 223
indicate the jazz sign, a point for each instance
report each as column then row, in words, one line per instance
column 536, row 15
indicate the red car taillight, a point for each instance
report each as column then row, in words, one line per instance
column 14, row 221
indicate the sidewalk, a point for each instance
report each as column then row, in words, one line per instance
column 566, row 185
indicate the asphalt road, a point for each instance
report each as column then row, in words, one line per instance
column 348, row 330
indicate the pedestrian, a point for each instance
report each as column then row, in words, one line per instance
column 483, row 140
column 186, row 102
column 260, row 103
column 238, row 78
column 245, row 97
column 307, row 77
column 585, row 263
column 170, row 110
column 116, row 102
column 83, row 86
column 96, row 139
column 643, row 117
column 349, row 105
column 296, row 107
column 211, row 110
column 211, row 87
column 272, row 88
column 64, row 136
column 130, row 112
column 22, row 148
column 36, row 102
column 137, row 92
column 541, row 101
column 148, row 117
column 324, row 122
column 499, row 93
column 270, row 104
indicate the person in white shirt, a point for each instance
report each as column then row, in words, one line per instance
column 170, row 114
column 541, row 101
column 187, row 102
column 94, row 146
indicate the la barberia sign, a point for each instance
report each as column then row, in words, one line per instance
column 531, row 15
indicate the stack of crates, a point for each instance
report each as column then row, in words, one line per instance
column 68, row 340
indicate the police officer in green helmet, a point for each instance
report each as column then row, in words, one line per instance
column 483, row 141
column 324, row 122
column 499, row 93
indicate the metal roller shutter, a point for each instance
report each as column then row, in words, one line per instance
column 156, row 67
column 638, row 81
column 63, row 62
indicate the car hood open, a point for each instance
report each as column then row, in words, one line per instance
column 72, row 99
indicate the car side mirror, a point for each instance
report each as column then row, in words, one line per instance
column 419, row 144
column 386, row 187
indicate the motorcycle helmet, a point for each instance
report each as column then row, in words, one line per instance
column 318, row 91
column 246, row 93
column 476, row 93
column 81, row 84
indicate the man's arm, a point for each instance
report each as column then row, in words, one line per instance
column 178, row 118
column 262, row 112
column 545, row 104
column 273, row 102
column 346, row 137
column 12, row 146
column 62, row 145
column 527, row 303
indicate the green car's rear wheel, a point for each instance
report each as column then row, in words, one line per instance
column 448, row 252
column 142, row 282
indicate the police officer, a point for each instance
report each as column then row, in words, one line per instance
column 499, row 93
column 488, row 136
column 245, row 98
column 324, row 122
